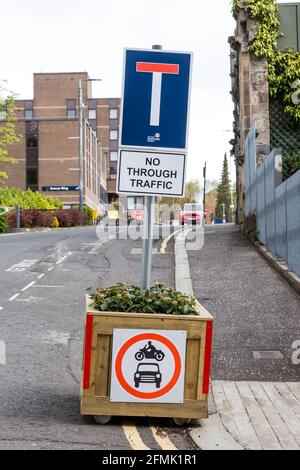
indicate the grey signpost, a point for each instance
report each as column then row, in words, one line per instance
column 149, row 202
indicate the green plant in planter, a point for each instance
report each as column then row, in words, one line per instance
column 157, row 299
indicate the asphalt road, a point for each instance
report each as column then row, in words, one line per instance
column 255, row 309
column 43, row 282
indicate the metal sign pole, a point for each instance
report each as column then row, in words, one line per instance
column 149, row 202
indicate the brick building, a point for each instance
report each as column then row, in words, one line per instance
column 48, row 154
column 250, row 92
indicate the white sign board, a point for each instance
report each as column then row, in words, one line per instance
column 148, row 366
column 153, row 173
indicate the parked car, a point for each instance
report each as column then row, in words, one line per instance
column 191, row 214
column 147, row 373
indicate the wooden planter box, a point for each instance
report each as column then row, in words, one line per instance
column 97, row 358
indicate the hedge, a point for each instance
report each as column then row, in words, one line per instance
column 31, row 218
column 11, row 197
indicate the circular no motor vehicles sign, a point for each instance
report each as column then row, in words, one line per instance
column 148, row 366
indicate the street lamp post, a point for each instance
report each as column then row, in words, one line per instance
column 224, row 213
column 80, row 123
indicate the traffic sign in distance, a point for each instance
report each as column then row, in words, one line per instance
column 155, row 99
column 148, row 366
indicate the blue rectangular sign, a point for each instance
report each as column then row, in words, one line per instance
column 155, row 99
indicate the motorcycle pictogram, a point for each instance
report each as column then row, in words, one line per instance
column 150, row 352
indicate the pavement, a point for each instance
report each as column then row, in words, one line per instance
column 255, row 389
column 43, row 282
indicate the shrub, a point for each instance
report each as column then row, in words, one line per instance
column 71, row 218
column 157, row 299
column 291, row 163
column 31, row 218
column 3, row 224
column 55, row 223
column 10, row 197
column 89, row 215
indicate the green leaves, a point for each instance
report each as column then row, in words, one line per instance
column 157, row 299
column 284, row 66
column 291, row 163
column 10, row 197
column 8, row 134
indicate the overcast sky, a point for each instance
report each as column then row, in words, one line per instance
column 73, row 35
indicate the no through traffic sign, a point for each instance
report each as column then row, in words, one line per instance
column 151, row 173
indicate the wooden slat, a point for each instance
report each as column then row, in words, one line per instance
column 240, row 416
column 103, row 358
column 283, row 409
column 224, row 409
column 289, row 398
column 102, row 406
column 261, row 425
column 106, row 324
column 192, row 368
column 279, row 427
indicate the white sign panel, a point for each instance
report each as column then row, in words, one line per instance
column 157, row 174
column 148, row 366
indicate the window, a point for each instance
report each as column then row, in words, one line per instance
column 113, row 135
column 113, row 173
column 28, row 113
column 32, row 176
column 113, row 156
column 28, row 109
column 113, row 114
column 31, row 141
column 135, row 202
column 71, row 109
column 2, row 115
column 92, row 114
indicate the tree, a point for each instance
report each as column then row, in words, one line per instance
column 223, row 194
column 192, row 191
column 8, row 134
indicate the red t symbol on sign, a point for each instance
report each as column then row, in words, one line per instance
column 157, row 70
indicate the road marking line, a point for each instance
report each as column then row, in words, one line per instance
column 27, row 287
column 164, row 244
column 133, row 437
column 1, row 308
column 162, row 439
column 22, row 266
column 50, row 269
column 13, row 297
column 61, row 259
column 2, row 353
column 56, row 287
column 41, row 275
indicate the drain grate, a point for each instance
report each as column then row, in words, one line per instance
column 267, row 355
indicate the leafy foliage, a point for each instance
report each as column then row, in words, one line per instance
column 284, row 66
column 3, row 224
column 10, row 197
column 157, row 299
column 31, row 218
column 8, row 134
column 291, row 163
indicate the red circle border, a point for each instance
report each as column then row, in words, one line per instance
column 131, row 342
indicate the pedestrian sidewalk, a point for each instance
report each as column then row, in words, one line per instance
column 254, row 398
column 251, row 416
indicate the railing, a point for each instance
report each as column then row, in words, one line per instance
column 275, row 203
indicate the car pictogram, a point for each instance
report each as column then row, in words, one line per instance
column 147, row 373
